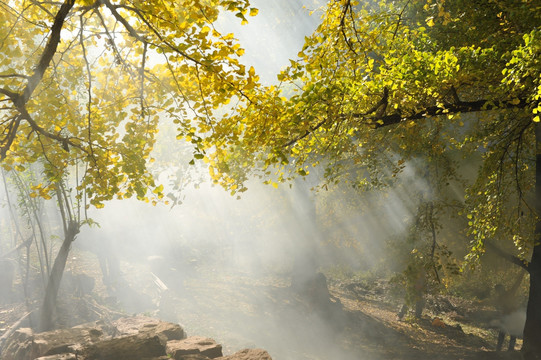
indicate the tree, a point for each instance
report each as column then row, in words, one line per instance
column 384, row 83
column 83, row 85
column 399, row 76
column 105, row 73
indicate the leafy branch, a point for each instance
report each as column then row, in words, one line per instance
column 20, row 100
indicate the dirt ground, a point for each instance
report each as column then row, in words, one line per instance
column 240, row 311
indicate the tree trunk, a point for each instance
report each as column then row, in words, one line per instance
column 532, row 329
column 51, row 291
column 304, row 220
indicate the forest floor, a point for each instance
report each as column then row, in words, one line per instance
column 450, row 328
column 241, row 311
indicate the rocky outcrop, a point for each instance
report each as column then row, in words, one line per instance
column 137, row 337
column 246, row 354
column 249, row 354
column 194, row 345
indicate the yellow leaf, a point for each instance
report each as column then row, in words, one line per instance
column 430, row 21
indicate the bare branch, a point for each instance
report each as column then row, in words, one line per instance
column 142, row 72
column 12, row 132
column 347, row 6
column 400, row 19
column 117, row 54
column 89, row 103
column 13, row 96
column 8, row 76
column 121, row 20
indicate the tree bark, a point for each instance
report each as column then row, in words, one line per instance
column 51, row 291
column 532, row 330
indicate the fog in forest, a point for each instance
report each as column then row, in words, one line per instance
column 223, row 265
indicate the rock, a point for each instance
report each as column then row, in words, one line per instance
column 151, row 326
column 437, row 322
column 138, row 346
column 248, row 354
column 194, row 345
column 23, row 344
column 137, row 337
column 192, row 357
column 59, row 357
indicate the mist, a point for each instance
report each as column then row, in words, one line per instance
column 222, row 266
column 225, row 266
column 227, row 263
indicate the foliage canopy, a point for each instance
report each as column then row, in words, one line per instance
column 394, row 81
column 83, row 85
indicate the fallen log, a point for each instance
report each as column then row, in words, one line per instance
column 12, row 329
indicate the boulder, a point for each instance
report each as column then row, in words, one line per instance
column 138, row 346
column 24, row 344
column 194, row 345
column 136, row 337
column 138, row 331
column 192, row 357
column 148, row 325
column 248, row 354
column 59, row 357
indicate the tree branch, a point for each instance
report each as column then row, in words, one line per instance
column 381, row 120
column 347, row 6
column 171, row 46
column 308, row 132
column 123, row 21
column 66, row 142
column 511, row 258
column 13, row 96
column 48, row 53
column 400, row 20
column 8, row 76
column 460, row 107
column 8, row 140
